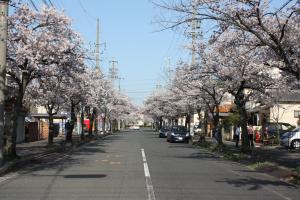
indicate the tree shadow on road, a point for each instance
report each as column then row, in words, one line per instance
column 253, row 183
column 51, row 163
column 181, row 145
column 198, row 155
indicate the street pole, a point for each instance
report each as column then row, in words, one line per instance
column 194, row 24
column 3, row 49
column 98, row 68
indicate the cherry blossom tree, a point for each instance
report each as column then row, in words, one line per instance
column 155, row 107
column 39, row 43
column 78, row 92
column 203, row 91
column 274, row 29
column 120, row 107
column 241, row 72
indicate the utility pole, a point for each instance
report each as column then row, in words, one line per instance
column 98, row 67
column 113, row 70
column 3, row 52
column 194, row 34
column 120, row 78
column 158, row 86
column 168, row 70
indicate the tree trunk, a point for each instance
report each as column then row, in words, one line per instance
column 103, row 124
column 95, row 121
column 91, row 118
column 82, row 124
column 156, row 125
column 217, row 128
column 110, row 126
column 240, row 103
column 188, row 122
column 199, row 115
column 206, row 123
column 263, row 126
column 160, row 123
column 51, row 129
column 17, row 111
column 203, row 133
column 72, row 123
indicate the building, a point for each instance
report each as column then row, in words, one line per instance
column 285, row 109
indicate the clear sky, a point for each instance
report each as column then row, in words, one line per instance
column 131, row 38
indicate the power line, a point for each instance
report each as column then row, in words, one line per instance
column 33, row 5
column 46, row 3
column 51, row 3
column 85, row 11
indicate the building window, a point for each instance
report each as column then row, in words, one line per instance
column 297, row 113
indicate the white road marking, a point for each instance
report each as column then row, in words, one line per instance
column 150, row 190
column 143, row 155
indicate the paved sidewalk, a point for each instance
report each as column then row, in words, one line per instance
column 28, row 151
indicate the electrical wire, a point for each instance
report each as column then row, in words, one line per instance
column 50, row 2
column 33, row 5
column 46, row 3
column 85, row 11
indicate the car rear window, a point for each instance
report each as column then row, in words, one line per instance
column 179, row 129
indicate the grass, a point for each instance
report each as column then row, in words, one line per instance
column 296, row 179
column 223, row 151
column 260, row 165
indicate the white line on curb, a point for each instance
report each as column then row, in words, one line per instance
column 150, row 190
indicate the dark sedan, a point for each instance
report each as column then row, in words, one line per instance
column 178, row 134
column 163, row 132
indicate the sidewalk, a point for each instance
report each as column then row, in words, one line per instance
column 276, row 161
column 275, row 154
column 28, row 151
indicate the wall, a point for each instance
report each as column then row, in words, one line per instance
column 285, row 114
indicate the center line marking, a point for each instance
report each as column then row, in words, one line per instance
column 150, row 190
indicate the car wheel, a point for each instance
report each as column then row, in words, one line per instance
column 295, row 144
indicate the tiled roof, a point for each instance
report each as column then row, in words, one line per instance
column 291, row 96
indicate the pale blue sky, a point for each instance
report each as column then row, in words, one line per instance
column 131, row 37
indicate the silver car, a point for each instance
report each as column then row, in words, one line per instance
column 291, row 139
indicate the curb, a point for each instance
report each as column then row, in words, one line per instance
column 9, row 166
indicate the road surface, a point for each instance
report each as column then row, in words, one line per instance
column 137, row 165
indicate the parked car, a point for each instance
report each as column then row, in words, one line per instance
column 162, row 133
column 178, row 134
column 282, row 128
column 291, row 139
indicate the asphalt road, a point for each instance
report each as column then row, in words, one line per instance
column 139, row 165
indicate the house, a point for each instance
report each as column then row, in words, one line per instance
column 285, row 109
